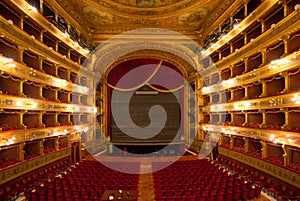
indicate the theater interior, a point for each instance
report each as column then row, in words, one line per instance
column 165, row 100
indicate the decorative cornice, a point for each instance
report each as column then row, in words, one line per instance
column 283, row 137
column 22, row 168
column 273, row 102
column 157, row 12
column 20, row 103
column 18, row 136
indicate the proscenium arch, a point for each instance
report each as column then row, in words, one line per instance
column 113, row 49
column 184, row 67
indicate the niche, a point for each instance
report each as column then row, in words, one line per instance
column 8, row 49
column 254, row 90
column 31, row 119
column 31, row 89
column 238, row 69
column 49, row 68
column 275, row 52
column 254, row 62
column 30, row 59
column 275, row 85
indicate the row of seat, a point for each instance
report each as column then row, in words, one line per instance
column 208, row 182
column 279, row 191
column 68, row 186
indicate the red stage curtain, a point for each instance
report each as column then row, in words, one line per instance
column 133, row 74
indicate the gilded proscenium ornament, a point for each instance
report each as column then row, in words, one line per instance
column 180, row 63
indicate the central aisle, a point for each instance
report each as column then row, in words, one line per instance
column 146, row 188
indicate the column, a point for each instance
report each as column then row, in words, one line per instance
column 264, row 149
column 21, row 152
column 231, row 142
column 246, row 145
column 285, row 155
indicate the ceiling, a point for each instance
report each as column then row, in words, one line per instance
column 106, row 18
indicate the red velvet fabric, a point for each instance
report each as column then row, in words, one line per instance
column 133, row 73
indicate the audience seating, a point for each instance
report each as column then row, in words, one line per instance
column 84, row 182
column 200, row 180
column 261, row 182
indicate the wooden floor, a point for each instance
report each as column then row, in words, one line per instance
column 146, row 188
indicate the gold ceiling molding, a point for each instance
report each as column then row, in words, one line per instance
column 105, row 18
column 173, row 9
column 110, row 53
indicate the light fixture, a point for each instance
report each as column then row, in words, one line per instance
column 236, row 26
column 33, row 104
column 32, row 8
column 11, row 65
column 69, row 107
column 297, row 7
column 65, row 35
column 86, row 50
column 10, row 22
column 76, row 108
column 205, row 90
column 236, row 106
column 19, row 103
column 272, row 136
column 203, row 51
column 247, row 104
column 228, row 83
column 296, row 98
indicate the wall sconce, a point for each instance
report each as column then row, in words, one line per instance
column 32, row 8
